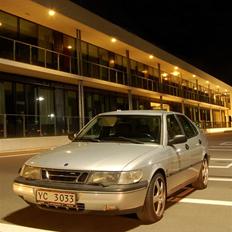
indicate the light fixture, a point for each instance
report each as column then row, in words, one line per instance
column 113, row 40
column 112, row 61
column 175, row 67
column 40, row 99
column 164, row 74
column 144, row 71
column 194, row 75
column 195, row 88
column 151, row 56
column 175, row 73
column 69, row 47
column 207, row 82
column 217, row 86
column 165, row 78
column 51, row 115
column 51, row 12
column 226, row 90
column 206, row 91
column 0, row 24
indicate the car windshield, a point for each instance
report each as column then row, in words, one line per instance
column 123, row 128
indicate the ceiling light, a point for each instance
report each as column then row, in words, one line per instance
column 226, row 90
column 151, row 57
column 195, row 88
column 144, row 71
column 40, row 99
column 69, row 47
column 194, row 75
column 0, row 24
column 51, row 12
column 217, row 86
column 112, row 61
column 164, row 74
column 207, row 82
column 175, row 73
column 165, row 78
column 113, row 40
column 175, row 67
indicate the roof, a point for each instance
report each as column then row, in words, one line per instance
column 137, row 112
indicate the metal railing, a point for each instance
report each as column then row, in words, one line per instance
column 35, row 55
column 21, row 125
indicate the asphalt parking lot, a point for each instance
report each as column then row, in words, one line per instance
column 188, row 210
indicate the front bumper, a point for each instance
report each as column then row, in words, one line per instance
column 91, row 198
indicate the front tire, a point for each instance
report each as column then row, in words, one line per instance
column 202, row 180
column 154, row 205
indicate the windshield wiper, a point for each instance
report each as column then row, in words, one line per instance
column 125, row 139
column 86, row 139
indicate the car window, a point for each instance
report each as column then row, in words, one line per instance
column 109, row 128
column 189, row 129
column 173, row 127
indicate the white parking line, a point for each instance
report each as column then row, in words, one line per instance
column 16, row 228
column 227, row 166
column 220, row 159
column 22, row 154
column 206, row 202
column 220, row 179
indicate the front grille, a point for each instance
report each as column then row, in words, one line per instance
column 64, row 176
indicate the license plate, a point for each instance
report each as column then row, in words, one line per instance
column 56, row 198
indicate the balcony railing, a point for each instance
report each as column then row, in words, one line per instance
column 35, row 55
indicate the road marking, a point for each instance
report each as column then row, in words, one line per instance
column 218, row 149
column 16, row 228
column 206, row 202
column 220, row 179
column 22, row 154
column 227, row 166
column 220, row 159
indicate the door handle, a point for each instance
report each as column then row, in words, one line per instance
column 186, row 146
column 200, row 141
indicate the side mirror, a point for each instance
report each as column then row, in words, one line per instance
column 71, row 136
column 177, row 139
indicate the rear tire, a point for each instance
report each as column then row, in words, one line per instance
column 154, row 205
column 202, row 180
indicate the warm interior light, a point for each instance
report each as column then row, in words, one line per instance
column 51, row 12
column 151, row 57
column 144, row 71
column 195, row 88
column 40, row 98
column 194, row 75
column 0, row 24
column 175, row 67
column 164, row 74
column 112, row 61
column 217, row 86
column 207, row 82
column 175, row 73
column 165, row 78
column 226, row 90
column 113, row 40
column 69, row 47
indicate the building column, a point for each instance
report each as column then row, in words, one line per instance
column 199, row 113
column 211, row 118
column 194, row 114
column 80, row 83
column 161, row 102
column 182, row 107
column 128, row 70
column 160, row 88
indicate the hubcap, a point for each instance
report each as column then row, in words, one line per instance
column 205, row 171
column 159, row 196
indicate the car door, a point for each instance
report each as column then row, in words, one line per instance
column 180, row 160
column 193, row 142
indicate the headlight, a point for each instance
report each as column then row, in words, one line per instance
column 104, row 178
column 30, row 172
column 130, row 177
column 111, row 178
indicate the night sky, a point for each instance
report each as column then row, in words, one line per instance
column 198, row 32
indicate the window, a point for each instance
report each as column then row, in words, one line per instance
column 28, row 32
column 173, row 127
column 189, row 129
column 9, row 27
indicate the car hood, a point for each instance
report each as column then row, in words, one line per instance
column 91, row 156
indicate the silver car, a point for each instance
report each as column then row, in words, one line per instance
column 124, row 161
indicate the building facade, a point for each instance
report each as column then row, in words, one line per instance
column 60, row 65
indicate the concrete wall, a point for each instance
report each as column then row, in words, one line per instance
column 34, row 143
